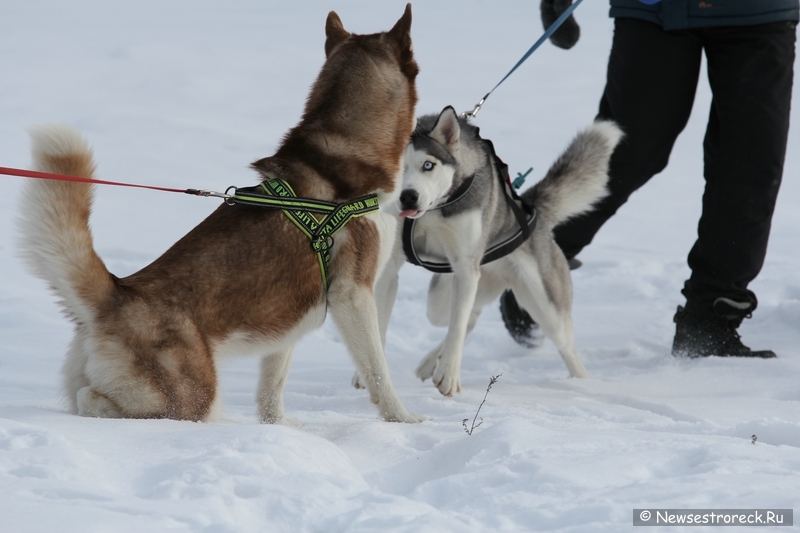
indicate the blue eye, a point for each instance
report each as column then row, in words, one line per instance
column 427, row 166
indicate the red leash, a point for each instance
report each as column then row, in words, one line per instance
column 62, row 177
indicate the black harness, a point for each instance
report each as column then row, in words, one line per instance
column 525, row 215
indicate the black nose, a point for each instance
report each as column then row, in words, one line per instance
column 409, row 198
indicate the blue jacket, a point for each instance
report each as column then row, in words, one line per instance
column 684, row 14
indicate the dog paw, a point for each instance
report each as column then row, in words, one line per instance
column 427, row 365
column 392, row 410
column 356, row 382
column 290, row 423
column 94, row 404
column 404, row 417
column 448, row 383
column 280, row 420
column 270, row 418
column 574, row 365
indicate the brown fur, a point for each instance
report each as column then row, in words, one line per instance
column 147, row 344
column 93, row 283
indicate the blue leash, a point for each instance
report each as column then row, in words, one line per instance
column 546, row 35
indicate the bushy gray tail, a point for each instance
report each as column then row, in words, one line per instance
column 55, row 239
column 578, row 178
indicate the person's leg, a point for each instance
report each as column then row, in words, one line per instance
column 750, row 71
column 650, row 87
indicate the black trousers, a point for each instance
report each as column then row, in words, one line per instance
column 651, row 84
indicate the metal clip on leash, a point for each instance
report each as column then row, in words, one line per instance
column 198, row 192
column 203, row 192
column 469, row 115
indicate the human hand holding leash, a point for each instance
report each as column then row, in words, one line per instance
column 568, row 34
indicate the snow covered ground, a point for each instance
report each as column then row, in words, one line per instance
column 186, row 94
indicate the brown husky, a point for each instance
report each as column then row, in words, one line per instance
column 246, row 279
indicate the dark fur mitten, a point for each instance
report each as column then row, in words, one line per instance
column 567, row 35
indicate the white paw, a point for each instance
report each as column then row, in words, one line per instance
column 447, row 380
column 290, row 422
column 270, row 418
column 428, row 365
column 91, row 404
column 356, row 382
column 270, row 411
column 404, row 416
column 582, row 373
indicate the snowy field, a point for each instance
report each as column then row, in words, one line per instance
column 187, row 94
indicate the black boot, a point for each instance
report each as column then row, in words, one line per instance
column 704, row 330
column 519, row 323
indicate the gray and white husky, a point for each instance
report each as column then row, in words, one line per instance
column 447, row 158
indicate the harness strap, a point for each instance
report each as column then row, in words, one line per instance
column 525, row 215
column 278, row 194
column 456, row 195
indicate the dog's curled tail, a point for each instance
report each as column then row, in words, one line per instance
column 55, row 239
column 578, row 178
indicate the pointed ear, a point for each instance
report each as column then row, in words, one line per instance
column 335, row 32
column 401, row 33
column 447, row 130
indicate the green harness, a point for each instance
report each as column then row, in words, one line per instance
column 278, row 194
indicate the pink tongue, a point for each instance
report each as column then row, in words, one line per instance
column 408, row 213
